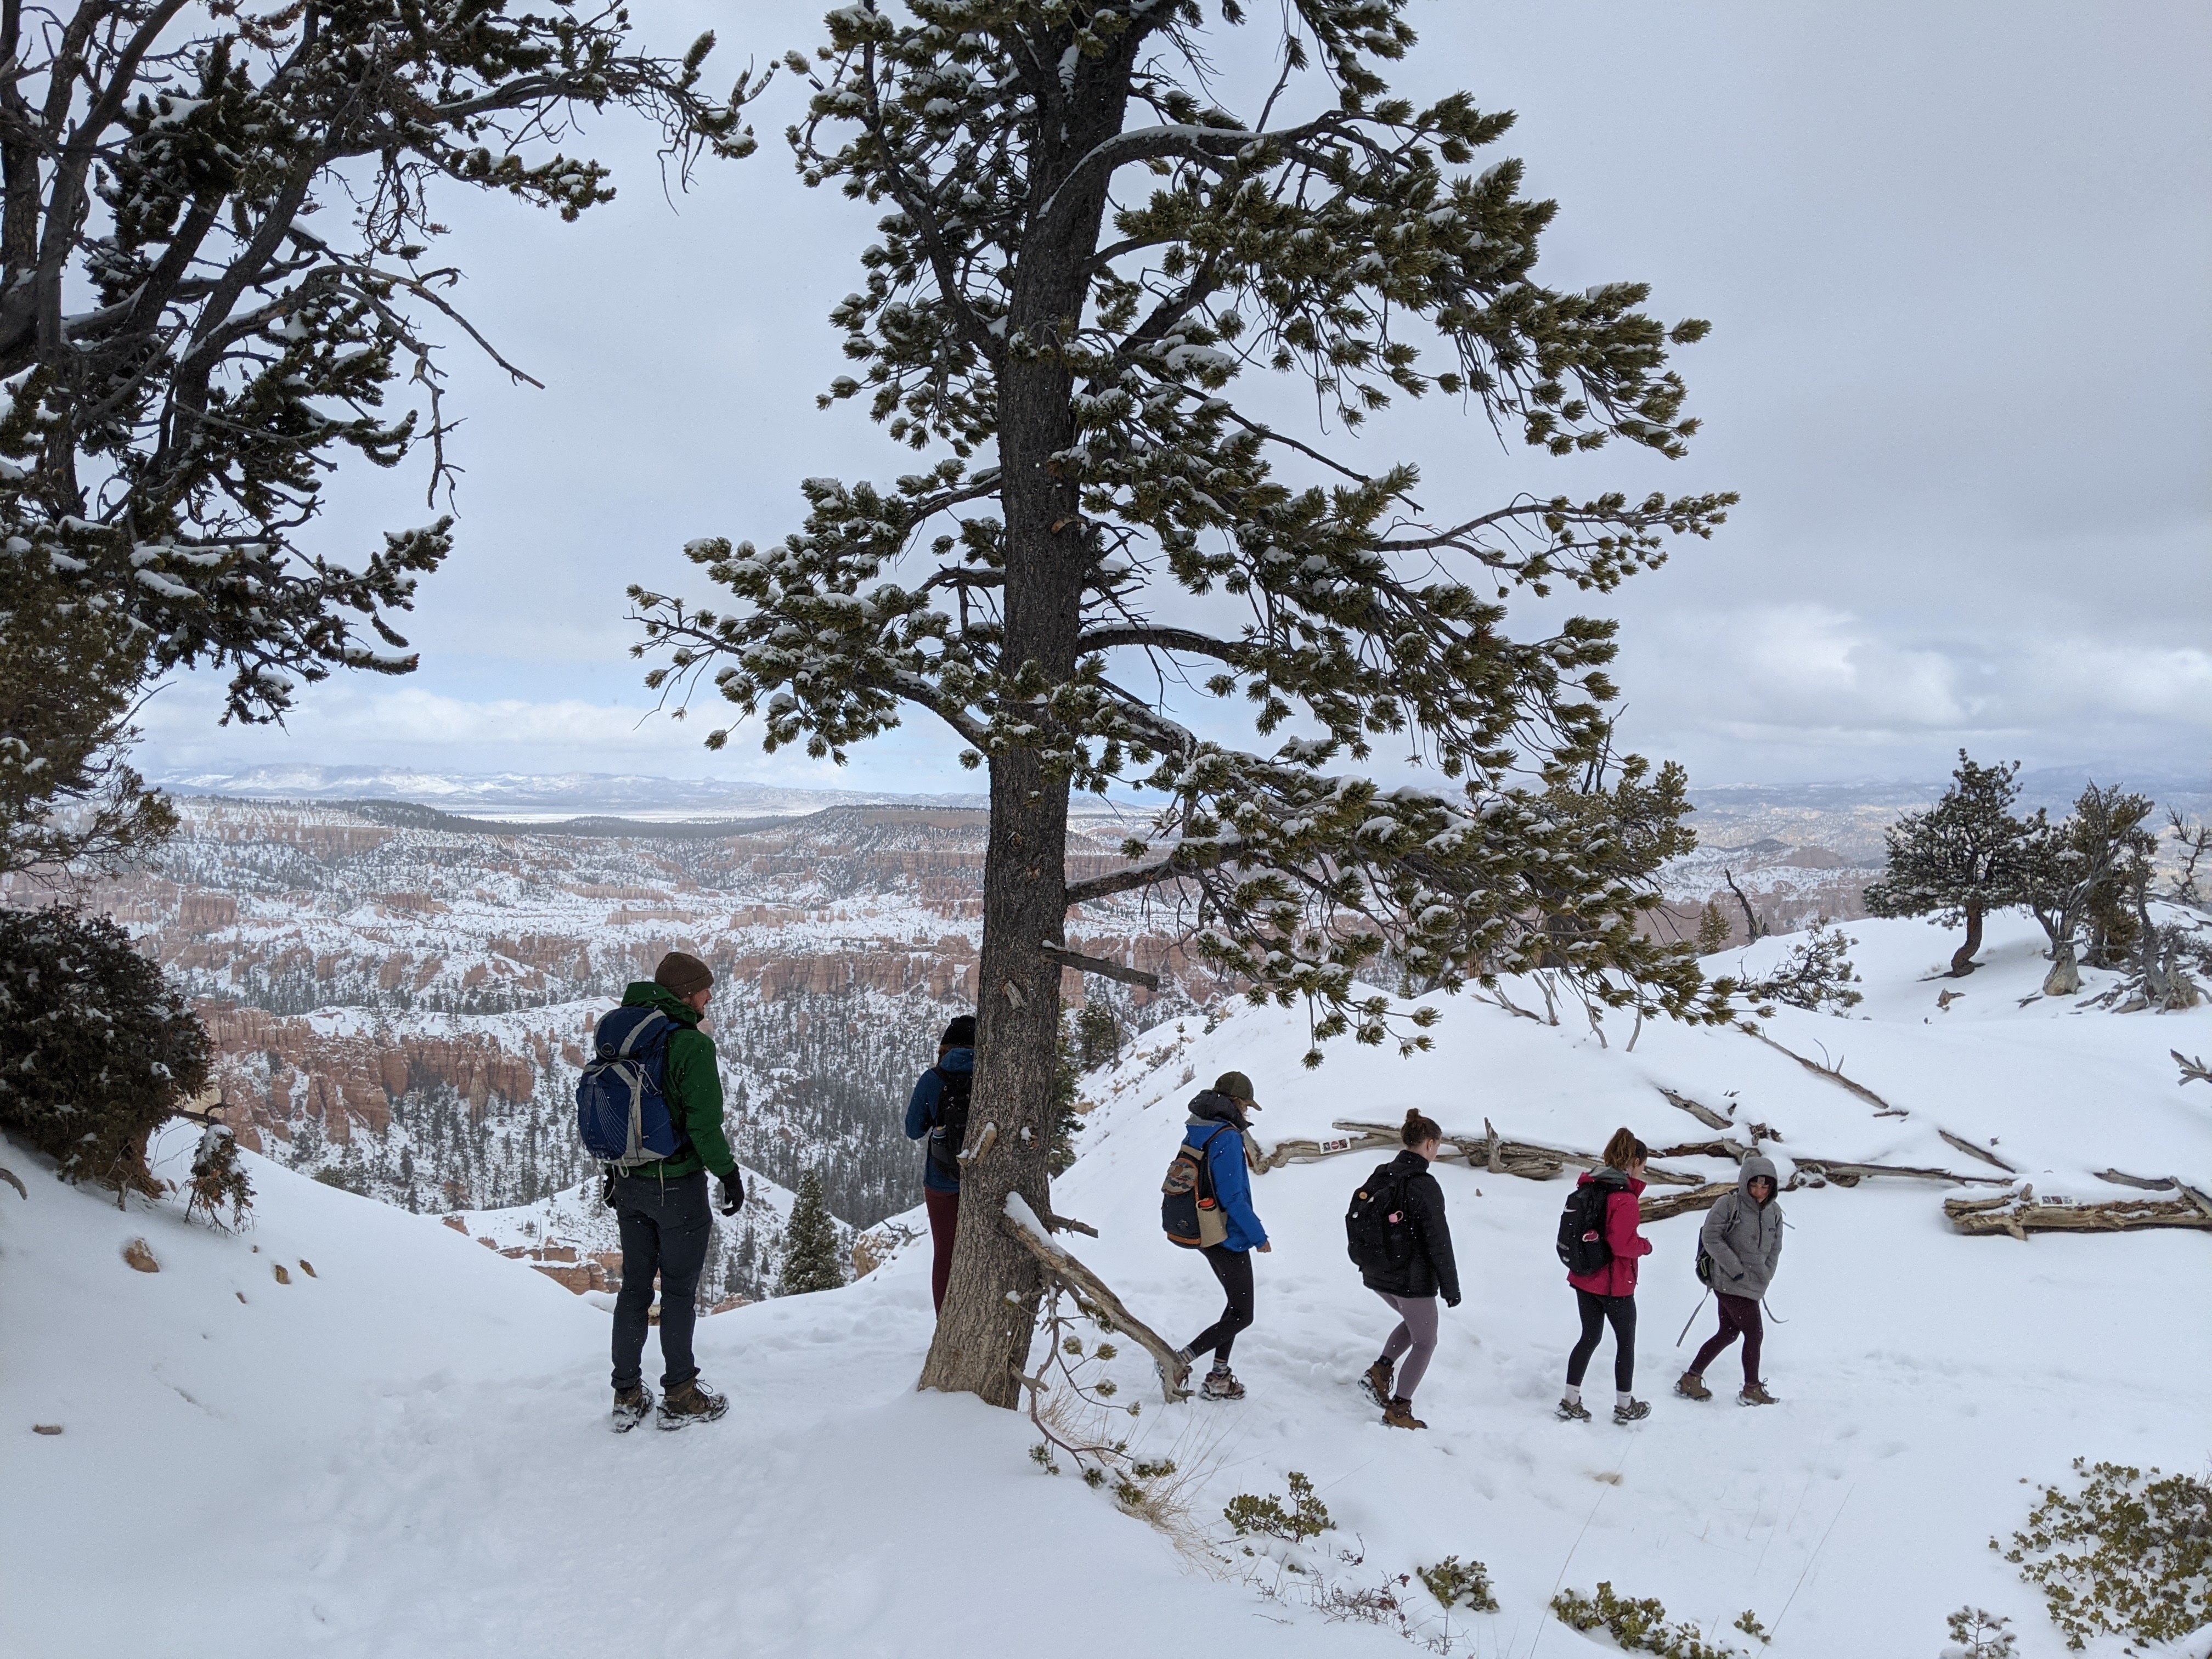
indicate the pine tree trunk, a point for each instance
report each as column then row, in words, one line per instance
column 1962, row 960
column 2064, row 978
column 983, row 1331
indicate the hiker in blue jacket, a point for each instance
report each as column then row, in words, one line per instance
column 939, row 1110
column 1216, row 1126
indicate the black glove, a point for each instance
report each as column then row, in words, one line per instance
column 734, row 1193
column 1451, row 1302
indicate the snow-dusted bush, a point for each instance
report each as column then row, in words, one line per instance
column 1640, row 1626
column 2127, row 1554
column 1304, row 1516
column 217, row 1180
column 1815, row 975
column 1456, row 1584
column 96, row 1048
column 1978, row 1633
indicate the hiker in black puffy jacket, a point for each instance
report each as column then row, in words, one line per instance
column 1411, row 1290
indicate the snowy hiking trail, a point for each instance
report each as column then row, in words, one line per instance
column 406, row 1454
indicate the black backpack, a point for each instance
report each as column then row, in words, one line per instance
column 955, row 1090
column 1188, row 1189
column 1582, row 1228
column 1378, row 1234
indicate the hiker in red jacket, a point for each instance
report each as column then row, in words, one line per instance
column 1607, row 1296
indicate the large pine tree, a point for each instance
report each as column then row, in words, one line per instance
column 1082, row 247
column 810, row 1261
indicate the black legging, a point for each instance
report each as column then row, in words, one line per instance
column 1597, row 1312
column 1234, row 1269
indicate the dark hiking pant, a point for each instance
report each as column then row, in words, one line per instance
column 1234, row 1269
column 1598, row 1312
column 1739, row 1317
column 1415, row 1338
column 665, row 1228
column 943, row 1222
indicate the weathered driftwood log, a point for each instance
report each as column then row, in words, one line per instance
column 1658, row 1209
column 1849, row 1175
column 1972, row 1151
column 2160, row 1184
column 1489, row 1151
column 1704, row 1114
column 2192, row 1071
column 1023, row 1225
column 1312, row 1151
column 1728, row 1148
column 1834, row 1074
column 2020, row 1213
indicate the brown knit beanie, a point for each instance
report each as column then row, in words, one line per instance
column 683, row 975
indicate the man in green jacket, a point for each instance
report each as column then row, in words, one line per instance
column 661, row 1208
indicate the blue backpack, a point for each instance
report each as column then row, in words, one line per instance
column 622, row 1103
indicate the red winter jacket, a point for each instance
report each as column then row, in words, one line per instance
column 1622, row 1219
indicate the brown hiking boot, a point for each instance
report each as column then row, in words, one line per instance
column 1690, row 1386
column 1376, row 1380
column 1221, row 1384
column 690, row 1402
column 631, row 1405
column 1755, row 1394
column 1398, row 1413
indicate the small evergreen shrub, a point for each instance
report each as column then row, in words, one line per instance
column 1306, row 1517
column 811, row 1259
column 96, row 1048
column 2126, row 1555
column 1455, row 1585
column 217, row 1180
column 1978, row 1633
column 1640, row 1626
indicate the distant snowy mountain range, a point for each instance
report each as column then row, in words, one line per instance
column 522, row 798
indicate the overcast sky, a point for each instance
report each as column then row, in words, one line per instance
column 1958, row 259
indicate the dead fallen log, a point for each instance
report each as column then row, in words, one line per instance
column 1532, row 1162
column 2162, row 1184
column 1096, row 1297
column 1312, row 1151
column 1834, row 1074
column 1735, row 1149
column 2020, row 1213
column 1704, row 1114
column 1849, row 1175
column 1658, row 1209
column 1972, row 1151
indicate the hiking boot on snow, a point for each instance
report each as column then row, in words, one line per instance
column 690, row 1402
column 1376, row 1380
column 1690, row 1386
column 1572, row 1411
column 1755, row 1394
column 1399, row 1414
column 1221, row 1384
column 631, row 1405
column 1634, row 1411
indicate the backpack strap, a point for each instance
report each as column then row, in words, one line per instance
column 644, row 1031
column 1205, row 1164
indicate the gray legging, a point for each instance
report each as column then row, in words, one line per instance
column 1415, row 1338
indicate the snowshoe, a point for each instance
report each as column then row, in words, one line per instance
column 1572, row 1411
column 688, row 1403
column 1399, row 1414
column 1755, row 1394
column 1376, row 1380
column 1690, row 1386
column 631, row 1407
column 1221, row 1384
column 1634, row 1412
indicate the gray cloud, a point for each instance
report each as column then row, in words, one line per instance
column 1954, row 257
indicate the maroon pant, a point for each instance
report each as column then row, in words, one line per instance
column 943, row 1221
column 1739, row 1317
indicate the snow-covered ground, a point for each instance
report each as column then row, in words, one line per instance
column 406, row 1453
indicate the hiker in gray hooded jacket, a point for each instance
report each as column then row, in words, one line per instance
column 1742, row 1234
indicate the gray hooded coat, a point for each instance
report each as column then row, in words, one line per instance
column 1743, row 1237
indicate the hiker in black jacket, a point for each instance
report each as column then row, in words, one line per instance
column 1411, row 1290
